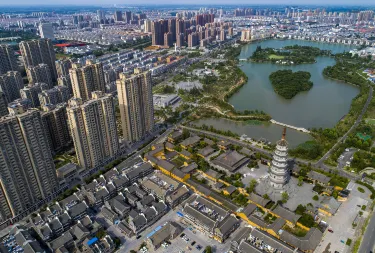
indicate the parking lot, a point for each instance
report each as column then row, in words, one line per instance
column 345, row 158
column 341, row 223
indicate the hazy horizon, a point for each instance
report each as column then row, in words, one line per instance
column 186, row 2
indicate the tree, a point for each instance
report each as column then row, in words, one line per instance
column 300, row 209
column 265, row 196
column 316, row 198
column 284, row 197
column 101, row 233
column 253, row 183
column 208, row 249
column 117, row 242
column 300, row 180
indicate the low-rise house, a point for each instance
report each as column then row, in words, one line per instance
column 258, row 200
column 78, row 211
column 231, row 160
column 286, row 214
column 213, row 175
column 224, row 145
column 169, row 231
column 190, row 142
column 229, row 190
column 186, row 154
column 206, row 151
column 175, row 136
column 177, row 196
column 307, row 244
column 329, row 206
column 118, row 205
column 110, row 215
column 226, row 227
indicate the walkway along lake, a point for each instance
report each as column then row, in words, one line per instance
column 322, row 106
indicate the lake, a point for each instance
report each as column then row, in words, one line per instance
column 322, row 106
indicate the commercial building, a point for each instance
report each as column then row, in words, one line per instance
column 46, row 31
column 32, row 91
column 27, row 171
column 93, row 128
column 10, row 84
column 87, row 79
column 35, row 52
column 8, row 61
column 56, row 124
column 136, row 106
column 117, row 16
column 40, row 73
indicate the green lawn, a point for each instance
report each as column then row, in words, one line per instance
column 370, row 121
column 277, row 57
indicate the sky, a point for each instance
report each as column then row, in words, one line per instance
column 216, row 2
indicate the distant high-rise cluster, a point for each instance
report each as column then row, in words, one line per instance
column 200, row 30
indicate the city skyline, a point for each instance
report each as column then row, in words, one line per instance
column 73, row 3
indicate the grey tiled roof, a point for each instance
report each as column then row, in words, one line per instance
column 249, row 209
column 307, row 243
column 272, row 241
column 258, row 199
column 286, row 214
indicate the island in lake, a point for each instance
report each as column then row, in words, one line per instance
column 287, row 83
column 289, row 55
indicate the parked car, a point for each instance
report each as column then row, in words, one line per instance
column 330, row 230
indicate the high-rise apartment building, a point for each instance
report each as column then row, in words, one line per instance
column 10, row 84
column 63, row 66
column 93, row 129
column 40, row 73
column 117, row 16
column 54, row 96
column 168, row 42
column 128, row 16
column 32, row 91
column 172, row 29
column 180, row 27
column 27, row 171
column 136, row 105
column 223, row 35
column 55, row 121
column 46, row 31
column 3, row 104
column 180, row 40
column 193, row 40
column 87, row 79
column 39, row 51
column 8, row 60
column 65, row 81
column 156, row 33
column 147, row 26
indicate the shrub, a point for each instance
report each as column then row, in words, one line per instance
column 349, row 241
column 316, row 198
column 360, row 189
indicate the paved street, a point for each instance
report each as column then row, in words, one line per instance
column 368, row 241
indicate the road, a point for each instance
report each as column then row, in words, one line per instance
column 343, row 138
column 368, row 240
